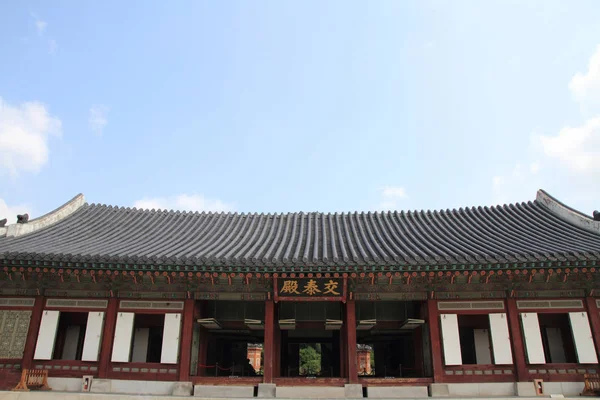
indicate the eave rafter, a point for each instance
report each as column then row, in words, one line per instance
column 261, row 270
column 580, row 274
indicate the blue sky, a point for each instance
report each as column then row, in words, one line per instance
column 274, row 106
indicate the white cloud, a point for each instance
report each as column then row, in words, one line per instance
column 184, row 202
column 586, row 86
column 577, row 148
column 394, row 192
column 24, row 133
column 41, row 27
column 11, row 212
column 390, row 197
column 39, row 24
column 98, row 118
column 570, row 158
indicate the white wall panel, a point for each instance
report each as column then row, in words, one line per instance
column 170, row 345
column 582, row 334
column 122, row 339
column 483, row 354
column 93, row 336
column 140, row 345
column 69, row 351
column 46, row 335
column 450, row 339
column 533, row 338
column 500, row 338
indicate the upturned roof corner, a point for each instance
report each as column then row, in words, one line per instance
column 23, row 228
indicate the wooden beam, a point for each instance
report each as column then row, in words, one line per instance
column 436, row 341
column 185, row 344
column 351, row 341
column 594, row 316
column 269, row 341
column 107, row 337
column 32, row 333
column 516, row 338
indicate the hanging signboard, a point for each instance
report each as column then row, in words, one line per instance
column 310, row 288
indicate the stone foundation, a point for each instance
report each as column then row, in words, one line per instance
column 310, row 392
column 508, row 389
column 208, row 391
column 71, row 388
column 397, row 392
column 266, row 390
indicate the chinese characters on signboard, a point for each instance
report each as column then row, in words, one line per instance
column 310, row 287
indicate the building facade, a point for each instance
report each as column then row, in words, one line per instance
column 497, row 297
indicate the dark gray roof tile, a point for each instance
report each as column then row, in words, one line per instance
column 512, row 233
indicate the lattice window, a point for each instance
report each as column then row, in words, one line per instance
column 13, row 332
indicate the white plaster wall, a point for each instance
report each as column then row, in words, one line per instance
column 501, row 345
column 582, row 335
column 122, row 339
column 46, row 335
column 482, row 346
column 533, row 338
column 71, row 342
column 140, row 345
column 450, row 339
column 93, row 336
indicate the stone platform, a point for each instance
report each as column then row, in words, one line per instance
column 71, row 389
column 95, row 396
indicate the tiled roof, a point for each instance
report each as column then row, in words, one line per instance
column 519, row 232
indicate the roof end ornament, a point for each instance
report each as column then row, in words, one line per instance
column 569, row 214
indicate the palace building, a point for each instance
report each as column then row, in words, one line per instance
column 478, row 301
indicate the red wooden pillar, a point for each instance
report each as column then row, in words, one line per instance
column 185, row 349
column 351, row 341
column 343, row 348
column 269, row 338
column 517, row 340
column 110, row 323
column 594, row 316
column 32, row 333
column 436, row 341
column 276, row 347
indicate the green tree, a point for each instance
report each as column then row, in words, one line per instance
column 310, row 359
